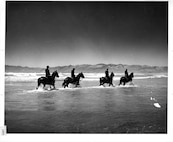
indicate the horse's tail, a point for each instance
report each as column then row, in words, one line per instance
column 63, row 83
column 38, row 83
column 101, row 81
column 120, row 81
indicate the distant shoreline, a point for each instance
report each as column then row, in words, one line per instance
column 89, row 65
column 98, row 68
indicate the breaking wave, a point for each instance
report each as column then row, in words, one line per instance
column 47, row 90
column 26, row 77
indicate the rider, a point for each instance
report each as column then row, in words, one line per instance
column 126, row 73
column 47, row 72
column 72, row 73
column 107, row 74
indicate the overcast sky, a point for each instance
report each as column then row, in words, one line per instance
column 63, row 33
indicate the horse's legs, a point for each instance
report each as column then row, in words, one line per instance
column 124, row 83
column 53, row 86
column 112, row 84
column 64, row 84
column 76, row 84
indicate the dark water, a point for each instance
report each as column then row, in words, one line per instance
column 89, row 109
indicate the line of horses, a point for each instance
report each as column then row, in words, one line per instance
column 75, row 81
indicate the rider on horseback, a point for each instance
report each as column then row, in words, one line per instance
column 72, row 74
column 126, row 74
column 47, row 72
column 107, row 74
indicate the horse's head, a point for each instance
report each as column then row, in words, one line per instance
column 131, row 75
column 112, row 74
column 81, row 75
column 55, row 74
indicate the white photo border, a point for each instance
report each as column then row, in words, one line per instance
column 87, row 137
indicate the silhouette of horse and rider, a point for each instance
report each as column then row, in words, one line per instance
column 73, row 79
column 107, row 79
column 49, row 79
column 127, row 78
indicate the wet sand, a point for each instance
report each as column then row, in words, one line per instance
column 94, row 110
column 71, row 122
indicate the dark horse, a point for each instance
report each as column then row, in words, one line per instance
column 74, row 81
column 109, row 80
column 124, row 79
column 48, row 80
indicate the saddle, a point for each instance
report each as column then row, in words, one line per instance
column 126, row 76
column 49, row 78
column 107, row 78
column 73, row 79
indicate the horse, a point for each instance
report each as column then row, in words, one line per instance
column 74, row 81
column 109, row 80
column 124, row 79
column 48, row 80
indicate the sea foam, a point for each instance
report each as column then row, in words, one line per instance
column 25, row 77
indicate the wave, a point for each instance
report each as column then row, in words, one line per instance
column 154, row 76
column 127, row 86
column 25, row 77
column 47, row 90
column 40, row 89
column 89, row 87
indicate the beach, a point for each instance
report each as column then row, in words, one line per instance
column 140, row 107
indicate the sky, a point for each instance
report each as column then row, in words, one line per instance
column 72, row 33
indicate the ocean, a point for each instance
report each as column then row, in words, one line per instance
column 140, row 107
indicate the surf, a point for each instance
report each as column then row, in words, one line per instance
column 27, row 77
column 47, row 90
